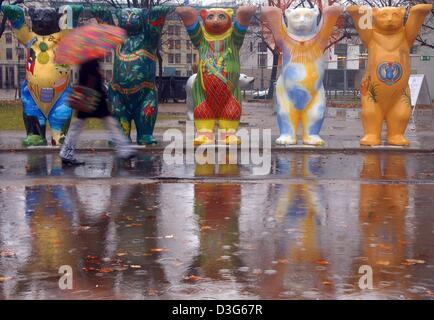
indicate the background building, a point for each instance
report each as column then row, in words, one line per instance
column 346, row 61
column 12, row 61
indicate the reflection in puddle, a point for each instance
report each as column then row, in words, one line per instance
column 299, row 238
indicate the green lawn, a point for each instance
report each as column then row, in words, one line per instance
column 11, row 117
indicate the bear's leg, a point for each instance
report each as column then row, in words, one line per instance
column 287, row 117
column 312, row 119
column 397, row 120
column 34, row 120
column 372, row 120
column 204, row 118
column 204, row 121
column 145, row 116
column 60, row 118
column 229, row 120
column 121, row 111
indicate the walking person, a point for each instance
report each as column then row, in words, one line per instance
column 90, row 77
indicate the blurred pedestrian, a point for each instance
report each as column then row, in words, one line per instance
column 90, row 77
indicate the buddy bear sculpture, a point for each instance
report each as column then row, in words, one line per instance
column 46, row 88
column 133, row 92
column 384, row 90
column 299, row 89
column 216, row 92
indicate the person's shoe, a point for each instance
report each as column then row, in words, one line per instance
column 130, row 155
column 72, row 162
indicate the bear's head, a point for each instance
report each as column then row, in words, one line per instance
column 216, row 21
column 131, row 19
column 302, row 22
column 388, row 19
column 45, row 21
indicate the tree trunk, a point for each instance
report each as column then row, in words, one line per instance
column 273, row 73
column 160, row 73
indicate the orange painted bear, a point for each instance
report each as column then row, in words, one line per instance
column 384, row 91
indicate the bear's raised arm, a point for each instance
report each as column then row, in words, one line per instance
column 102, row 15
column 364, row 27
column 244, row 14
column 15, row 15
column 415, row 20
column 76, row 12
column 272, row 16
column 330, row 17
column 188, row 15
column 190, row 18
column 157, row 17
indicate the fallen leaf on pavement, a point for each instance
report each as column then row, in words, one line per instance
column 3, row 279
column 410, row 262
column 7, row 254
column 192, row 278
column 322, row 262
column 383, row 262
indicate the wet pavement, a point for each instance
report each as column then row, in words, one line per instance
column 142, row 229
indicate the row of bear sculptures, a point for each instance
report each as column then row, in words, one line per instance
column 218, row 35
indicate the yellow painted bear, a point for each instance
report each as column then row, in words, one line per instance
column 384, row 91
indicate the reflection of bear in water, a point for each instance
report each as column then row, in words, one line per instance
column 46, row 88
column 383, row 210
column 384, row 90
column 217, row 206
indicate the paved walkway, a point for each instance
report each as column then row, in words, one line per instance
column 341, row 129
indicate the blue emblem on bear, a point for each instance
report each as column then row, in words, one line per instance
column 389, row 72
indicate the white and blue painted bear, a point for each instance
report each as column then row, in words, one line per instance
column 299, row 90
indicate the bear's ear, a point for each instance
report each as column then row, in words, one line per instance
column 287, row 13
column 32, row 12
column 229, row 12
column 375, row 11
column 285, row 16
column 118, row 14
column 145, row 13
column 203, row 14
column 317, row 14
